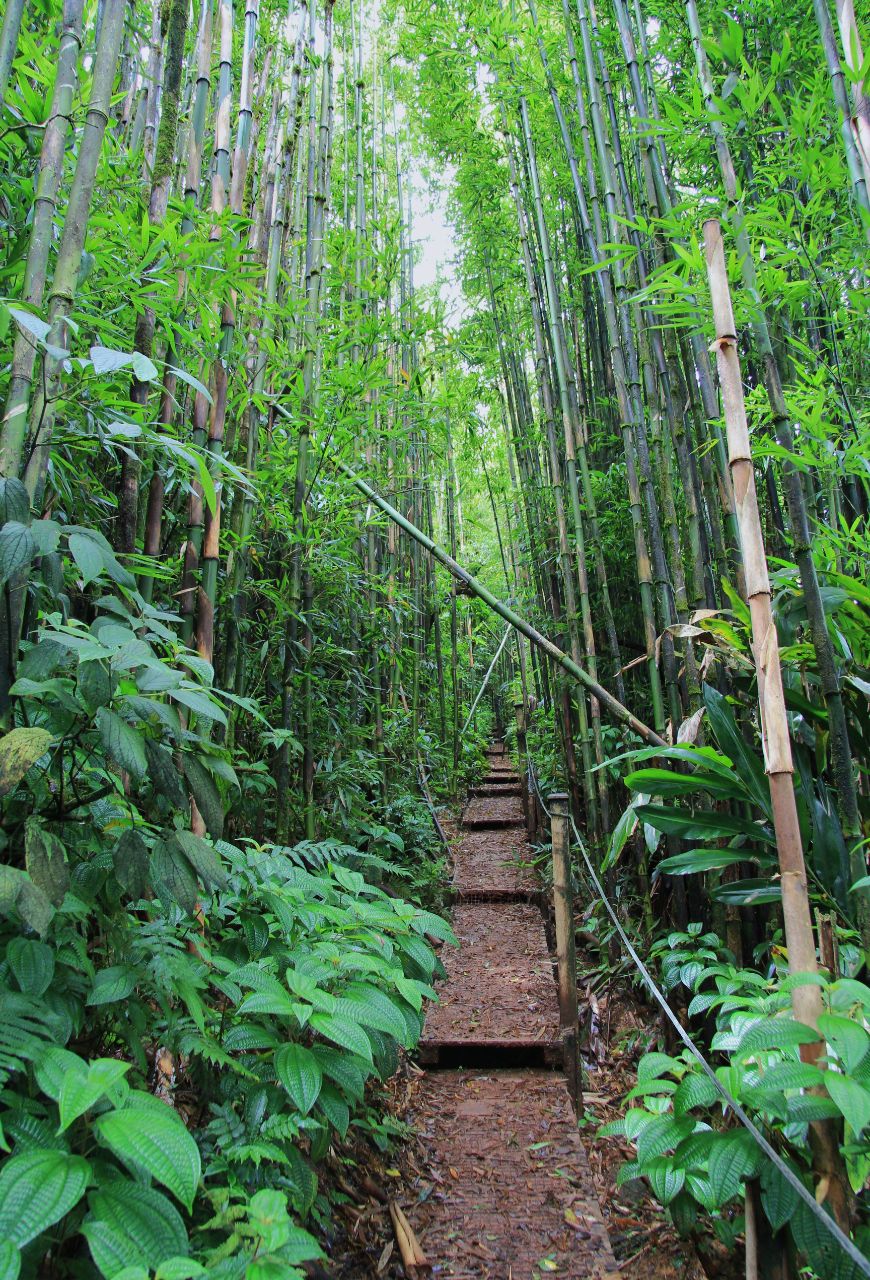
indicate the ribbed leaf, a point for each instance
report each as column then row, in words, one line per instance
column 19, row 751
column 10, row 1260
column 203, row 858
column 45, row 859
column 163, row 775
column 373, row 1008
column 334, row 1108
column 122, row 743
column 172, row 875
column 732, row 1160
column 32, row 965
column 694, row 1090
column 778, row 1198
column 300, row 1073
column 17, row 549
column 775, row 1033
column 849, row 1039
column 132, row 1225
column 37, row 1189
column 132, row 863
column 343, row 1032
column 206, row 795
column 80, row 1090
column 665, row 1180
column 114, row 983
column 852, row 1099
column 342, row 1068
column 154, row 1139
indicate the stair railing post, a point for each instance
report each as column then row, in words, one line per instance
column 522, row 752
column 566, row 953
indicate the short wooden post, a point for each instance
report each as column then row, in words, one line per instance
column 566, row 954
column 523, row 752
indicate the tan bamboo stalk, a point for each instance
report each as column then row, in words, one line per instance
column 806, row 998
column 48, row 180
column 793, row 490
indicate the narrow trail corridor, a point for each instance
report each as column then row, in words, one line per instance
column 515, row 1198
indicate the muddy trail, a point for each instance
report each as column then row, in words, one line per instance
column 513, row 1196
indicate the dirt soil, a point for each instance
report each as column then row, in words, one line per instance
column 499, row 983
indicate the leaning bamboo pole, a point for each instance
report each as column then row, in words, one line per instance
column 806, row 997
column 619, row 712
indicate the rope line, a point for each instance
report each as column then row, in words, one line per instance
column 846, row 1244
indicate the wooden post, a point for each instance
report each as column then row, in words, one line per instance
column 529, row 811
column 566, row 955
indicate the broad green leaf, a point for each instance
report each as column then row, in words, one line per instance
column 778, row 1197
column 106, row 360
column 114, row 983
column 94, row 684
column 156, row 1141
column 343, row 1069
column 131, row 1225
column 622, row 832
column 428, row 922
column 300, row 1073
column 87, row 555
column 144, row 369
column 17, row 549
column 30, row 323
column 852, row 1099
column 371, row 1007
column 700, row 825
column 37, row 1189
column 733, row 1158
column 698, row 861
column 696, row 1089
column 132, row 863
column 343, row 1032
column 201, row 703
column 775, row 1033
column 32, row 965
column 122, row 743
column 665, row 1180
column 747, row 761
column 747, row 893
column 204, row 859
column 335, row 1109
column 172, row 875
column 79, row 1091
column 19, row 751
column 849, row 1039
column 10, row 1260
column 45, row 859
column 206, row 795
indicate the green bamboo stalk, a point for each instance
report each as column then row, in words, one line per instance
column 62, row 292
column 48, row 181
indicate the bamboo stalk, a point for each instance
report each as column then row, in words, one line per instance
column 806, row 997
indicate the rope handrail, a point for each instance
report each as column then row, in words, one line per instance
column 808, row 1199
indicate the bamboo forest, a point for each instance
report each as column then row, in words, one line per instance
column 434, row 639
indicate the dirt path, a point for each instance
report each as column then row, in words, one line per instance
column 512, row 1195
